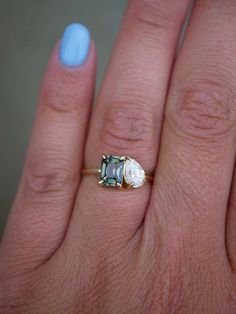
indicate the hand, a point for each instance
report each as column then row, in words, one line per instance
column 72, row 246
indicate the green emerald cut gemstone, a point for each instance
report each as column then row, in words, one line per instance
column 112, row 171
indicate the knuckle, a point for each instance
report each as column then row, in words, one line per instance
column 62, row 95
column 48, row 176
column 150, row 13
column 226, row 11
column 128, row 126
column 204, row 112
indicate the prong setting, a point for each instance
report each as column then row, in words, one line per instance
column 112, row 171
column 121, row 171
column 134, row 174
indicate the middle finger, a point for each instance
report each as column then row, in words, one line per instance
column 196, row 159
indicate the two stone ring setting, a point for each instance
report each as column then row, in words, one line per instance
column 120, row 172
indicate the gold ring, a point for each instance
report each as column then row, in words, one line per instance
column 119, row 171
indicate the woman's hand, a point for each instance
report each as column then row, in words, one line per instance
column 72, row 246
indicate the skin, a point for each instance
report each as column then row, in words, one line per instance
column 71, row 246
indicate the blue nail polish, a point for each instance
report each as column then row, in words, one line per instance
column 75, row 45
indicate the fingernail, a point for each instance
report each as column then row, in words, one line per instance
column 75, row 45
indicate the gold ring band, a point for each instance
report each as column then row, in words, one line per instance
column 119, row 171
column 90, row 171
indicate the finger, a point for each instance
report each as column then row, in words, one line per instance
column 194, row 171
column 128, row 116
column 51, row 174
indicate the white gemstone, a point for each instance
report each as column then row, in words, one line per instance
column 134, row 173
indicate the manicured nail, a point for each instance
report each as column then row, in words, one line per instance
column 75, row 45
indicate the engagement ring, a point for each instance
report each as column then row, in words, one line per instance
column 119, row 171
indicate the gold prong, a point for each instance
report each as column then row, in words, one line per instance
column 104, row 157
column 129, row 158
column 119, row 185
column 101, row 181
column 122, row 158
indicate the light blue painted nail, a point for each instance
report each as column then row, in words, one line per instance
column 75, row 45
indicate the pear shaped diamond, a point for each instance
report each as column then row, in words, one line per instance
column 134, row 174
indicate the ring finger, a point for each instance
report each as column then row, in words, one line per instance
column 128, row 116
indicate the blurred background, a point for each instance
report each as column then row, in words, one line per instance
column 29, row 30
